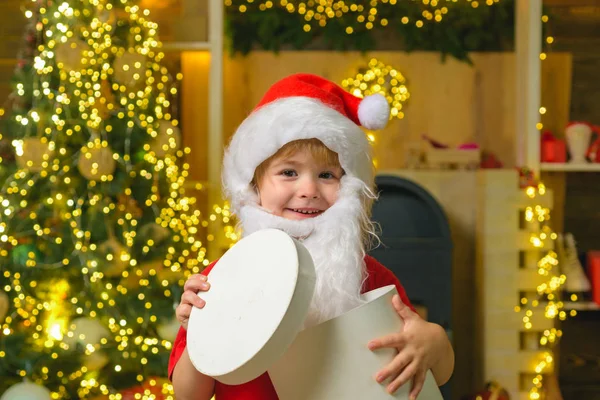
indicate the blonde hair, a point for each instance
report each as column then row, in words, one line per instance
column 322, row 154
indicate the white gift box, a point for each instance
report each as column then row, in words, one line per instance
column 332, row 361
column 260, row 293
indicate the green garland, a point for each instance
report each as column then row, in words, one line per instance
column 462, row 30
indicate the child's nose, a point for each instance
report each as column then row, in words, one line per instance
column 308, row 189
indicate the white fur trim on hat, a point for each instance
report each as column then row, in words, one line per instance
column 273, row 125
column 374, row 112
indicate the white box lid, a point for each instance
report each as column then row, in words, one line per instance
column 260, row 293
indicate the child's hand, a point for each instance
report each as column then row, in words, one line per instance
column 196, row 283
column 419, row 348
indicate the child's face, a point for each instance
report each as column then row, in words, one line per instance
column 299, row 187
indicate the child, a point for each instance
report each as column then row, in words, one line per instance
column 301, row 163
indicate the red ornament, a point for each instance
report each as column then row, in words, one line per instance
column 526, row 178
column 492, row 391
column 151, row 386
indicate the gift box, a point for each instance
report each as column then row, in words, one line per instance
column 332, row 361
column 250, row 325
column 552, row 150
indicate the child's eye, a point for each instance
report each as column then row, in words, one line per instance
column 326, row 175
column 288, row 172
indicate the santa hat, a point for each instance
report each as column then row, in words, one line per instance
column 303, row 106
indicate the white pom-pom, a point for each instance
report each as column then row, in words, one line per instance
column 374, row 112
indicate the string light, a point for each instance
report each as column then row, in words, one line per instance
column 383, row 79
column 549, row 40
column 551, row 287
column 231, row 232
column 378, row 77
column 547, row 292
column 317, row 13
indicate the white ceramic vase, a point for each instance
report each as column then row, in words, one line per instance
column 578, row 137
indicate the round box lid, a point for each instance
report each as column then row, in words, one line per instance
column 260, row 292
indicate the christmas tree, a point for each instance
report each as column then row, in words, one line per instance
column 97, row 234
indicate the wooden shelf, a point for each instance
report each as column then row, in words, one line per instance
column 581, row 305
column 185, row 46
column 566, row 167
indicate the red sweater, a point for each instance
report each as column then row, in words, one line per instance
column 261, row 388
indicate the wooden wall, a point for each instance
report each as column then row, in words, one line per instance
column 452, row 101
column 12, row 23
column 507, row 267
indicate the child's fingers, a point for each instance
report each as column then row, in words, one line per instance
column 196, row 283
column 417, row 385
column 404, row 377
column 402, row 309
column 396, row 340
column 189, row 297
column 394, row 367
column 183, row 311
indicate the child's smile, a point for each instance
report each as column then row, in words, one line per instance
column 305, row 212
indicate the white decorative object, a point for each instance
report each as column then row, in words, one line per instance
column 259, row 296
column 570, row 265
column 4, row 304
column 167, row 140
column 26, row 391
column 578, row 137
column 332, row 361
column 374, row 112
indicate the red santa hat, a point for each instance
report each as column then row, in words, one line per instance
column 303, row 106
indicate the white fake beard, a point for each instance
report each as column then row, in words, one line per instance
column 335, row 244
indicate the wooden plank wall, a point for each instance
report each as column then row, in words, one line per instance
column 452, row 101
column 507, row 267
column 484, row 209
column 12, row 22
